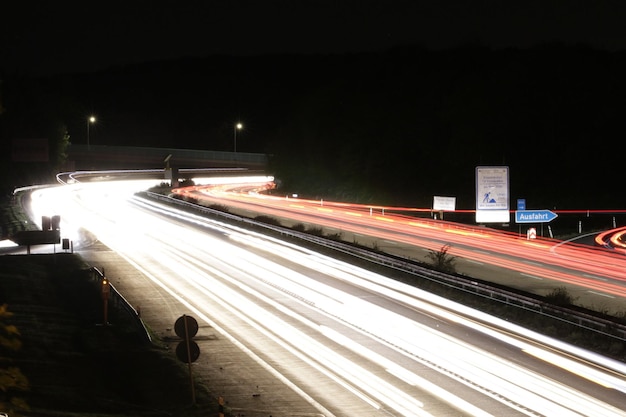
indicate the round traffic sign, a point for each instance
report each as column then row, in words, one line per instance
column 192, row 327
column 185, row 354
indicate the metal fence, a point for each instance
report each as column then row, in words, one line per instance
column 118, row 301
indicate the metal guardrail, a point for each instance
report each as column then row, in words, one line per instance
column 567, row 315
column 119, row 301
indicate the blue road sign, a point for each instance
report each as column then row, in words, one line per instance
column 521, row 204
column 534, row 216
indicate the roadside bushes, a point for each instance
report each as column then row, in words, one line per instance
column 560, row 297
column 441, row 260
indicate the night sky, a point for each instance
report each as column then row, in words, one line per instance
column 444, row 85
column 46, row 37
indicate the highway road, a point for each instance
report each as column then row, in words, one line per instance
column 344, row 340
column 595, row 276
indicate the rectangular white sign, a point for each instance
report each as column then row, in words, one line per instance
column 492, row 194
column 444, row 203
column 492, row 188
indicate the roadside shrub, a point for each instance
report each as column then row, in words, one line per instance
column 267, row 220
column 441, row 260
column 560, row 297
column 220, row 207
column 316, row 231
column 335, row 236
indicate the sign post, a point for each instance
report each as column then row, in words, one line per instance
column 106, row 291
column 442, row 204
column 186, row 327
column 521, row 205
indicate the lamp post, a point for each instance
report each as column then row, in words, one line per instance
column 90, row 120
column 238, row 126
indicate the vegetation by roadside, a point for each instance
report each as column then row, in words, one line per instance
column 73, row 364
column 12, row 217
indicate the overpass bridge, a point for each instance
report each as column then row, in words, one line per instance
column 100, row 157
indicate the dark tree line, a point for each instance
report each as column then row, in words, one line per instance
column 29, row 110
column 407, row 125
column 397, row 126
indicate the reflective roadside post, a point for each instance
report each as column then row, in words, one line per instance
column 186, row 327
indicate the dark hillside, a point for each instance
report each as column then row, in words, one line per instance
column 397, row 126
column 73, row 364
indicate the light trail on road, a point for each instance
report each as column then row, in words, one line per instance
column 358, row 343
column 616, row 238
column 595, row 269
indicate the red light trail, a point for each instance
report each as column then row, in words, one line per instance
column 594, row 268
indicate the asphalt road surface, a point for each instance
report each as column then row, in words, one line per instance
column 285, row 331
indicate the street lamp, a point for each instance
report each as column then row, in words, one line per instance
column 238, row 126
column 90, row 120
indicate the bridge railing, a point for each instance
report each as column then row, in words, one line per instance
column 128, row 157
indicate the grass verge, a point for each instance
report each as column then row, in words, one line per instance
column 75, row 365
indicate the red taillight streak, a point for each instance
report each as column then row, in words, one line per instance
column 420, row 231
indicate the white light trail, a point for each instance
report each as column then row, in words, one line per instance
column 311, row 315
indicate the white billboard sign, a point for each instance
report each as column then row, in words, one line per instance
column 492, row 194
column 444, row 203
